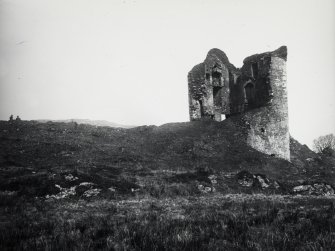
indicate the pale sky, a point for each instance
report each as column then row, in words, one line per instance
column 126, row 61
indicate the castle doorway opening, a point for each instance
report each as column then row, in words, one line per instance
column 201, row 108
column 249, row 90
column 217, row 96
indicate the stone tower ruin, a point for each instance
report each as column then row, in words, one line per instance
column 256, row 92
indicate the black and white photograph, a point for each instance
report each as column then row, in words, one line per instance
column 167, row 125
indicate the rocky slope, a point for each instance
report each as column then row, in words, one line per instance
column 37, row 159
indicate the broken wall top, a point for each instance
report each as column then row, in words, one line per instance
column 216, row 55
column 197, row 74
column 281, row 52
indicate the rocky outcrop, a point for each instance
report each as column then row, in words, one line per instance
column 247, row 179
column 314, row 189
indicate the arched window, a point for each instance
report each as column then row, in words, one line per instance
column 216, row 78
column 249, row 90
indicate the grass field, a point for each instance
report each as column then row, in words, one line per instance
column 183, row 186
column 211, row 222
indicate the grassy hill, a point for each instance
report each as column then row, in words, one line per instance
column 187, row 186
column 87, row 122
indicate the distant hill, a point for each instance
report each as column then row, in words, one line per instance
column 88, row 122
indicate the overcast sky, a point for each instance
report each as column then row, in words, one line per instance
column 127, row 61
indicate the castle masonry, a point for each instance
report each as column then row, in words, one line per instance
column 256, row 92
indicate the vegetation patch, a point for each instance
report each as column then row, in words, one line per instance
column 65, row 186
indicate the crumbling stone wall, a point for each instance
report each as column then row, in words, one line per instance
column 209, row 87
column 257, row 91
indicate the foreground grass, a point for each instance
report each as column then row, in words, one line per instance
column 211, row 222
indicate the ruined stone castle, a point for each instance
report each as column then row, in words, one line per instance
column 256, row 92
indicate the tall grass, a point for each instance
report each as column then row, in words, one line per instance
column 194, row 223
